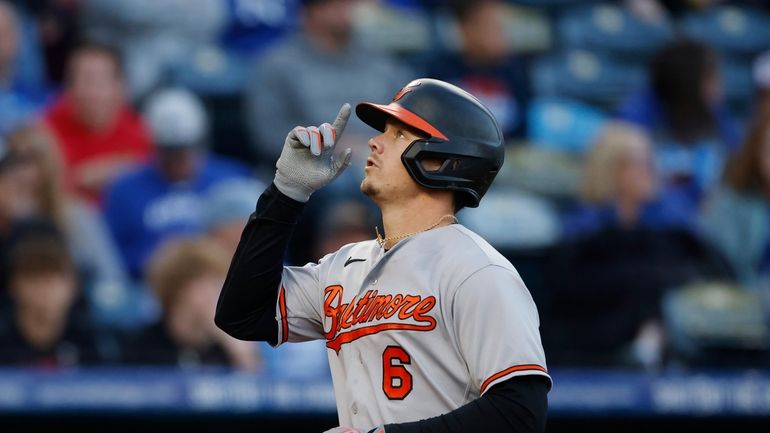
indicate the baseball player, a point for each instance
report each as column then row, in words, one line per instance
column 429, row 328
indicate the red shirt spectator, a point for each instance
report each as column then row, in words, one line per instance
column 99, row 134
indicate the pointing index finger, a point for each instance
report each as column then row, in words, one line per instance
column 342, row 119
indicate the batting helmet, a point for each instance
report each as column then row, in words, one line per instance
column 461, row 131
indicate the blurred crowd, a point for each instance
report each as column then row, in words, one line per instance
column 136, row 137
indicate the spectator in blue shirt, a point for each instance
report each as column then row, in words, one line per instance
column 685, row 113
column 167, row 197
column 22, row 87
column 619, row 188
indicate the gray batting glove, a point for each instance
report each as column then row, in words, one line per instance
column 307, row 161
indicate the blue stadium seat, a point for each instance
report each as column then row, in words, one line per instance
column 588, row 76
column 564, row 125
column 127, row 308
column 253, row 25
column 611, row 28
column 741, row 31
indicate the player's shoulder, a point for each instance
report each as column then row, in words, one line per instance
column 469, row 248
column 477, row 265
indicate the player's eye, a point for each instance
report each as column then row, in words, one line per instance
column 400, row 134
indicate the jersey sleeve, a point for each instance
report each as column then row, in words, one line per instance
column 496, row 324
column 298, row 310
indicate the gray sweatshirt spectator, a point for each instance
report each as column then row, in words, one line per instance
column 305, row 79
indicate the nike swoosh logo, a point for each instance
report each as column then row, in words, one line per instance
column 351, row 260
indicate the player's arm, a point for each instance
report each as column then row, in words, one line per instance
column 246, row 305
column 516, row 405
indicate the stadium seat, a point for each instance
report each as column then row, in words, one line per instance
column 211, row 70
column 120, row 307
column 514, row 219
column 736, row 30
column 588, row 76
column 611, row 28
column 218, row 77
column 714, row 323
column 563, row 124
column 393, row 28
column 549, row 173
column 253, row 25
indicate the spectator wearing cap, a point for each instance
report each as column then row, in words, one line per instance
column 98, row 133
column 166, row 197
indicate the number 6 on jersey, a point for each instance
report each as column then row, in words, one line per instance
column 396, row 380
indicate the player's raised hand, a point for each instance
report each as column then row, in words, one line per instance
column 307, row 161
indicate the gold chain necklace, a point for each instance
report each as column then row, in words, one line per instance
column 382, row 241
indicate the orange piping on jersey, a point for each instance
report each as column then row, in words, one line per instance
column 510, row 370
column 347, row 337
column 284, row 319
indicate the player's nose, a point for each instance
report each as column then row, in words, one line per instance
column 375, row 145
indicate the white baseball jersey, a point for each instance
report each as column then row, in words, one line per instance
column 416, row 331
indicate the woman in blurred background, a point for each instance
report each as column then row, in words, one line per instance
column 684, row 112
column 619, row 189
column 630, row 242
column 41, row 195
column 186, row 276
column 737, row 217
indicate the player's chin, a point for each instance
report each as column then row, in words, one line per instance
column 368, row 188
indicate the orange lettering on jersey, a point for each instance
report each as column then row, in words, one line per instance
column 371, row 307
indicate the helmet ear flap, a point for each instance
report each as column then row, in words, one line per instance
column 451, row 174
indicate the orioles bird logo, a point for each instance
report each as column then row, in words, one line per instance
column 406, row 89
